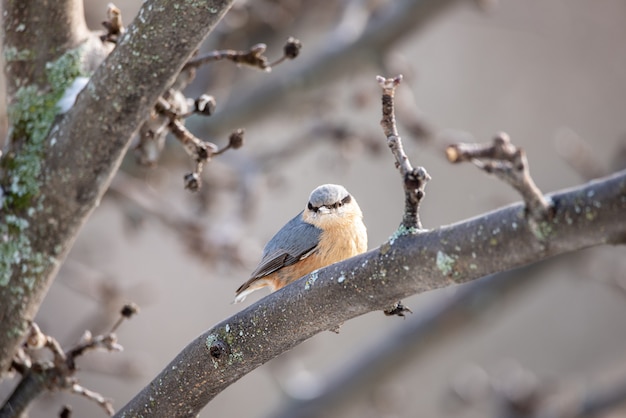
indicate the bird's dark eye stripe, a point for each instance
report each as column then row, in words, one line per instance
column 311, row 207
column 346, row 199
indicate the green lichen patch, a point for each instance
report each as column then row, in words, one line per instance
column 31, row 114
column 445, row 263
column 14, row 54
column 310, row 281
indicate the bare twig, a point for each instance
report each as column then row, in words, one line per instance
column 415, row 179
column 509, row 163
column 38, row 376
column 104, row 403
column 170, row 115
column 337, row 58
column 253, row 57
column 173, row 107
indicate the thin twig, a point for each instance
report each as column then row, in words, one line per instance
column 414, row 179
column 173, row 107
column 105, row 403
column 253, row 57
column 39, row 376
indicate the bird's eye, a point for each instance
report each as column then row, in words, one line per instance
column 311, row 207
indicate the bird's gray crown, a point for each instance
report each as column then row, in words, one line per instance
column 327, row 195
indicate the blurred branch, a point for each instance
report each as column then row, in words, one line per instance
column 579, row 154
column 588, row 215
column 192, row 231
column 519, row 393
column 342, row 53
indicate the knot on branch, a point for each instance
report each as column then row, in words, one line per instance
column 416, row 180
column 218, row 348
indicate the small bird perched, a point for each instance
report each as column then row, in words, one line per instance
column 328, row 230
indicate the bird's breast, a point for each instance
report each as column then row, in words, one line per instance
column 345, row 239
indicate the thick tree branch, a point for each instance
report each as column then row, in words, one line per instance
column 588, row 215
column 35, row 35
column 76, row 160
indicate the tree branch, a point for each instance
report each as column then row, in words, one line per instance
column 339, row 56
column 588, row 215
column 75, row 159
column 36, row 34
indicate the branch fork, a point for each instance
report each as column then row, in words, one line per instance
column 509, row 164
column 173, row 107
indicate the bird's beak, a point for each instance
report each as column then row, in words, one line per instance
column 323, row 210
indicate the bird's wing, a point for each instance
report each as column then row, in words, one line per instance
column 295, row 241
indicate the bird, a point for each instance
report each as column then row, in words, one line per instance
column 328, row 230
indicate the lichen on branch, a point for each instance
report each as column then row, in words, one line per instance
column 31, row 114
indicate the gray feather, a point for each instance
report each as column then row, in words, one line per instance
column 295, row 241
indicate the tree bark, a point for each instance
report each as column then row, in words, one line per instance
column 56, row 169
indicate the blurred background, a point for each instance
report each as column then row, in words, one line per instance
column 552, row 74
